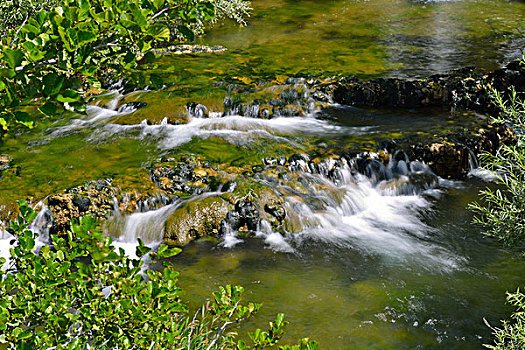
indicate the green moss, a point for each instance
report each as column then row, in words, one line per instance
column 198, row 218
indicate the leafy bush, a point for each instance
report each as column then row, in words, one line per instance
column 512, row 334
column 14, row 12
column 502, row 212
column 60, row 55
column 81, row 293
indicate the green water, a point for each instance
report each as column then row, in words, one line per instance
column 339, row 293
column 347, row 298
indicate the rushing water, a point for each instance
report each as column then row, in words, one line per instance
column 381, row 262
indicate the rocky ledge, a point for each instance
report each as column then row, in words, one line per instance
column 215, row 198
column 212, row 198
column 467, row 89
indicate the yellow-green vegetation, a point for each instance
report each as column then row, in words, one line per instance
column 502, row 212
column 97, row 41
column 83, row 294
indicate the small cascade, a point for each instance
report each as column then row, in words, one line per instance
column 362, row 203
column 148, row 226
column 42, row 224
column 273, row 239
column 476, row 171
column 97, row 114
column 229, row 238
column 380, row 214
column 235, row 129
column 5, row 246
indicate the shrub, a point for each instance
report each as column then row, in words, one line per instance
column 66, row 50
column 502, row 212
column 512, row 334
column 80, row 293
column 15, row 12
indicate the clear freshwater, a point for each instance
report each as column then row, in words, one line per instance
column 383, row 267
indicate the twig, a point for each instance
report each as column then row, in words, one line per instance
column 191, row 329
column 31, row 327
column 18, row 30
column 159, row 13
column 107, row 341
column 101, row 46
column 226, row 324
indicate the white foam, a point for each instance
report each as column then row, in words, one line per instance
column 5, row 246
column 235, row 129
column 230, row 239
column 484, row 174
column 274, row 240
column 385, row 223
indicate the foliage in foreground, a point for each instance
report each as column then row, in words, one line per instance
column 14, row 12
column 82, row 294
column 63, row 51
column 511, row 336
column 502, row 212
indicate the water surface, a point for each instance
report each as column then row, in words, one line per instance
column 390, row 270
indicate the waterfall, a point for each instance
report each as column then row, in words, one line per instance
column 148, row 226
column 380, row 213
column 477, row 171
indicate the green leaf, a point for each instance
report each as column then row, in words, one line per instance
column 142, row 249
column 14, row 57
column 29, row 28
column 24, row 335
column 159, row 31
column 69, row 96
column 186, row 32
column 164, row 252
column 49, row 109
column 7, row 73
column 60, row 255
column 52, row 84
column 158, row 4
column 24, row 119
column 149, row 57
column 279, row 319
column 84, row 9
column 84, row 37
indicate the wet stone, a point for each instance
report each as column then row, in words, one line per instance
column 5, row 162
column 197, row 110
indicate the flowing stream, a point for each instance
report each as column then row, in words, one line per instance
column 381, row 259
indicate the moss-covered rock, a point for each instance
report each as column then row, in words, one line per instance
column 196, row 219
column 467, row 89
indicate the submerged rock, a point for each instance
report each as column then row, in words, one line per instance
column 289, row 100
column 190, row 49
column 450, row 161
